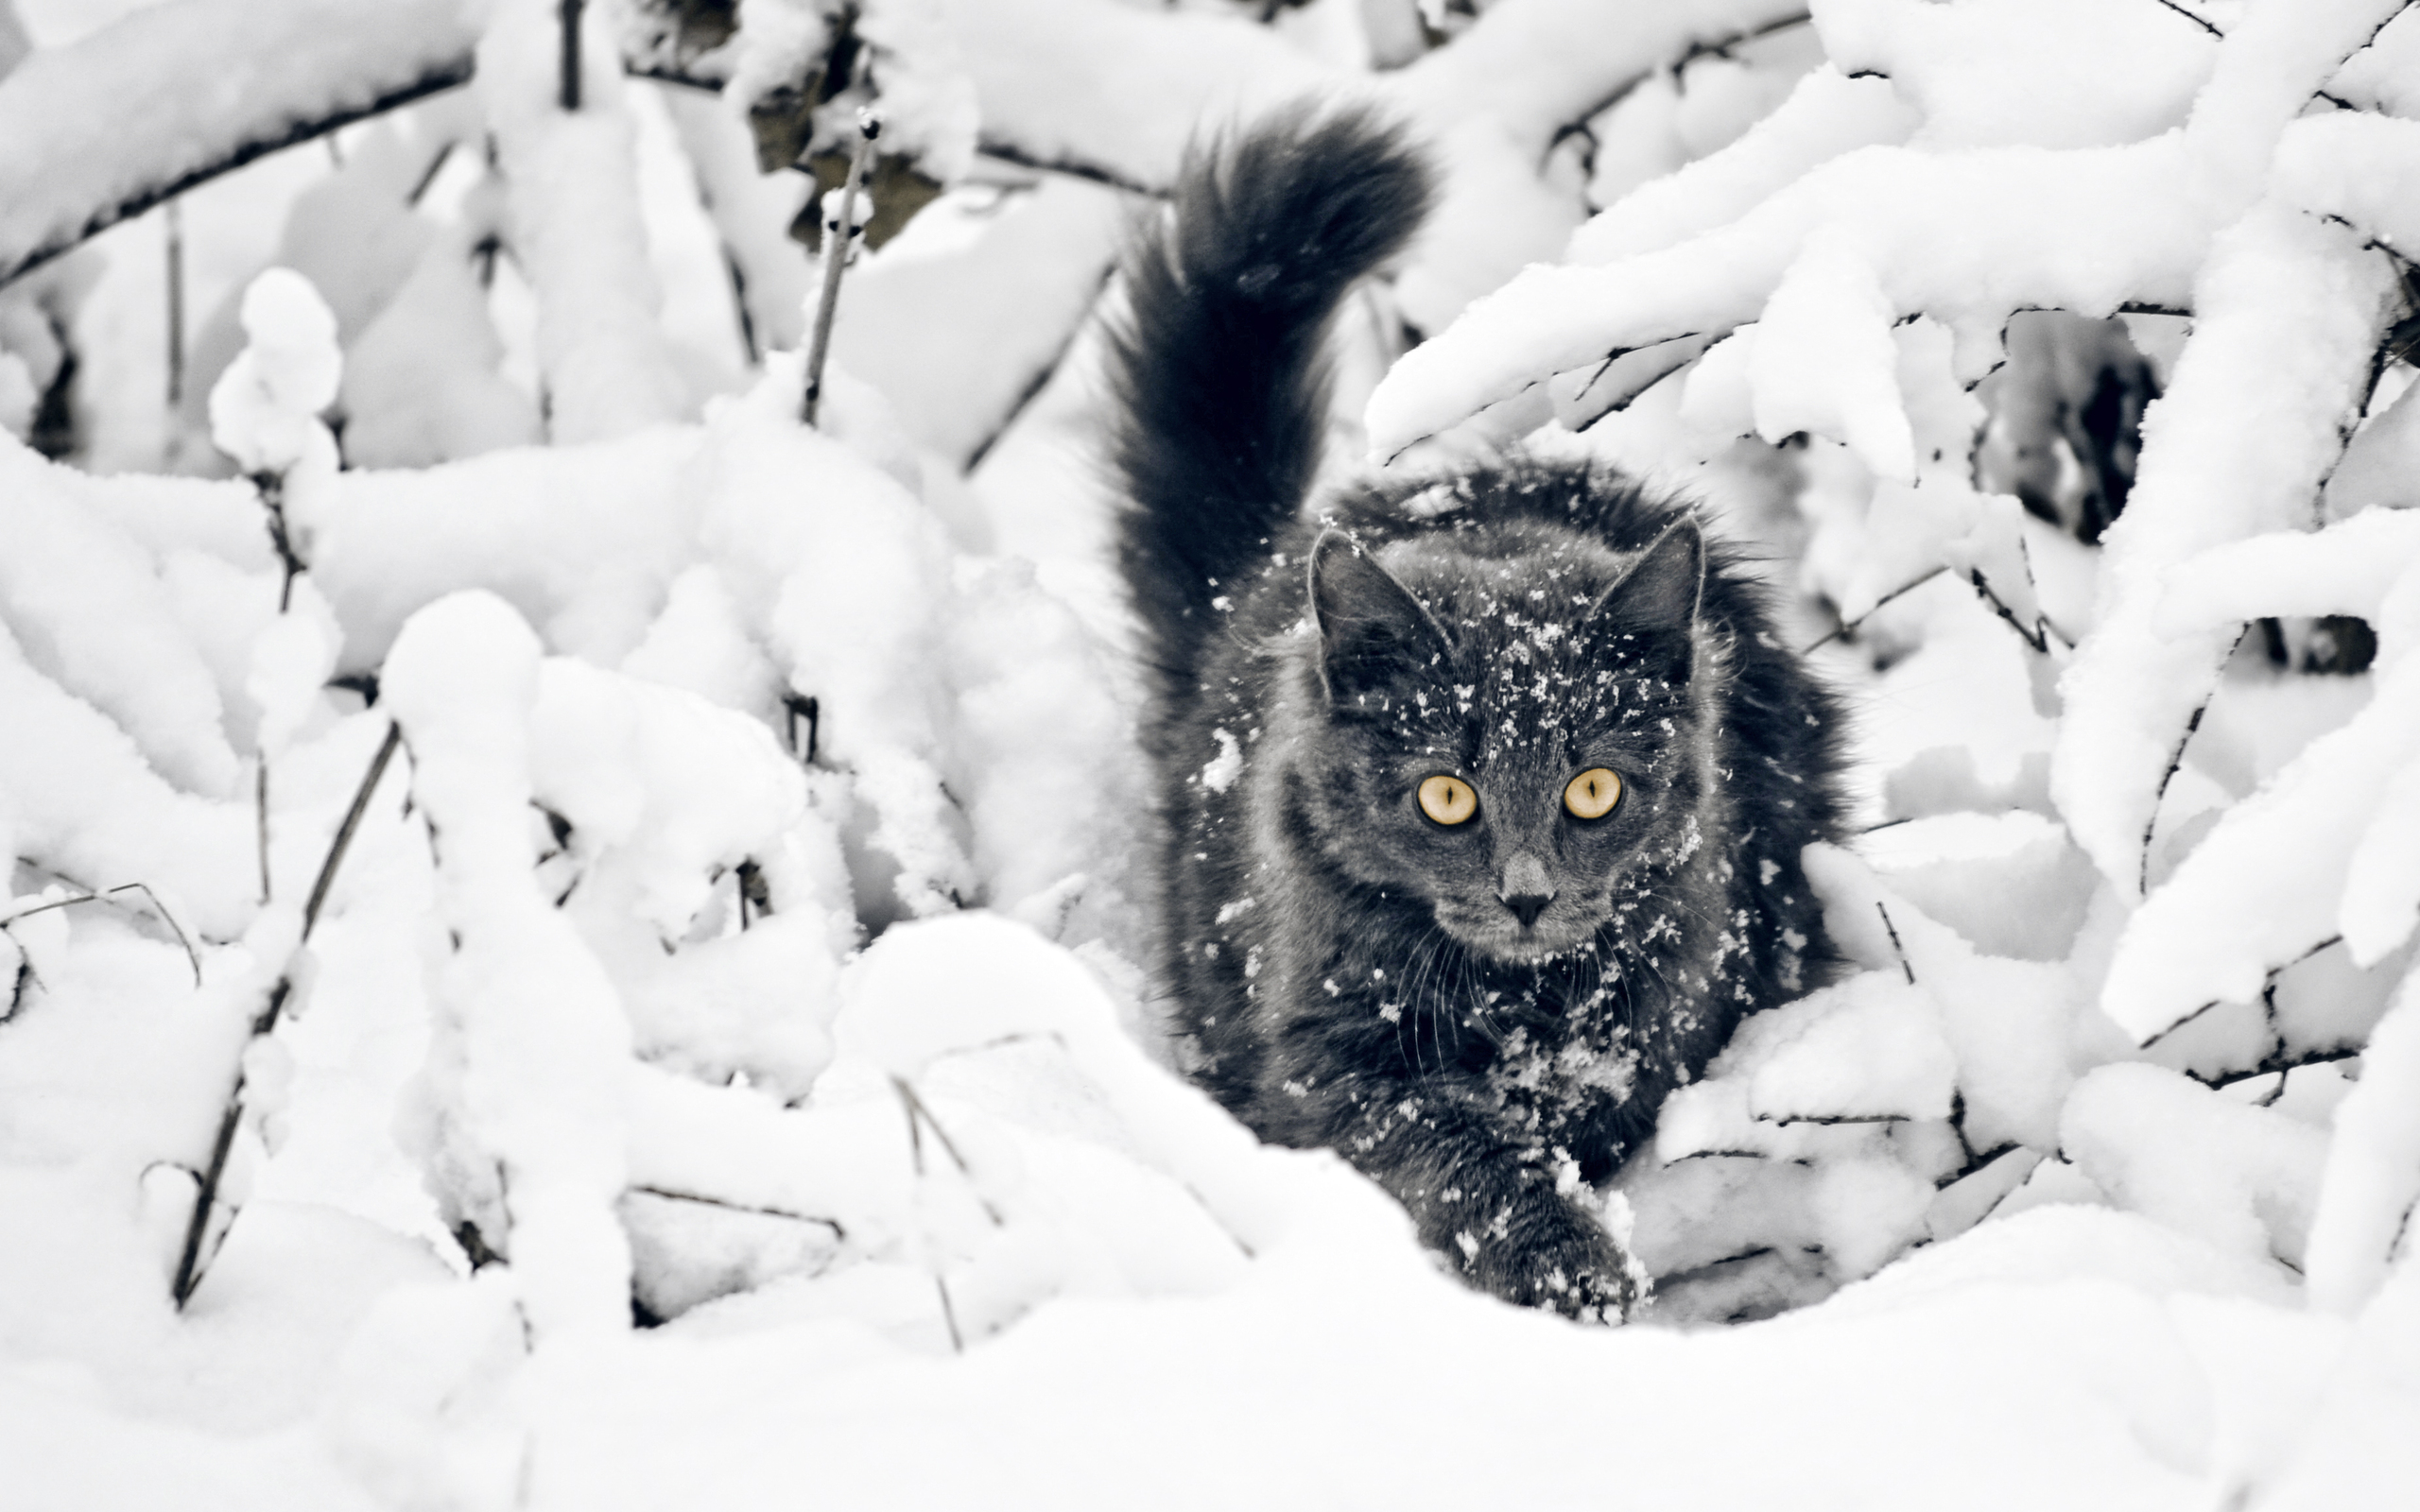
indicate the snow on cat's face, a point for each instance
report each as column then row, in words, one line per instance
column 1511, row 735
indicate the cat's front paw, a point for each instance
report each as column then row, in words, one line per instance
column 1554, row 1255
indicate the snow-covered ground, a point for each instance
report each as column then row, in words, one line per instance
column 736, row 924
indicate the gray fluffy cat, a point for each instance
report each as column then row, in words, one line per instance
column 1484, row 792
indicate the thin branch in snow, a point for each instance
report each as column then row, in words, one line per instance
column 345, row 830
column 2265, row 985
column 1041, row 380
column 915, row 1129
column 1975, row 1164
column 2210, row 26
column 1717, row 47
column 2278, row 1063
column 747, row 341
column 949, row 1315
column 25, row 977
column 837, row 248
column 1828, row 1120
column 661, row 74
column 1892, row 930
column 754, row 1208
column 192, row 957
column 260, row 820
column 1005, row 152
column 2175, row 760
column 1850, row 626
column 920, row 1114
column 173, row 222
column 2037, row 638
column 570, row 91
column 1958, row 1124
column 1664, row 359
column 189, row 1263
column 2202, row 22
column 428, row 176
column 272, row 491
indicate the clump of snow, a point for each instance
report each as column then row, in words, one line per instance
column 2240, row 1178
column 571, row 182
column 264, row 410
column 524, row 1093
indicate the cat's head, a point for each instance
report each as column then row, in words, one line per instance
column 1508, row 731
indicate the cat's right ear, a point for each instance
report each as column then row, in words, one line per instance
column 1663, row 588
column 1372, row 630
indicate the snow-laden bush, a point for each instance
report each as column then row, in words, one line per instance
column 1837, row 279
column 524, row 833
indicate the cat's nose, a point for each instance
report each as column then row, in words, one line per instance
column 1527, row 888
column 1526, row 906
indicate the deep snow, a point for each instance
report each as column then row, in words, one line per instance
column 749, row 924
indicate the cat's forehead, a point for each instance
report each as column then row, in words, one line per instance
column 1526, row 683
column 1506, row 580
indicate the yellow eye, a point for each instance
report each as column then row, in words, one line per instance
column 1447, row 799
column 1593, row 794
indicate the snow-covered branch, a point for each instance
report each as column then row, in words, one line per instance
column 107, row 126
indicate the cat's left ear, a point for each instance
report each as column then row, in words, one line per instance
column 1372, row 630
column 1661, row 593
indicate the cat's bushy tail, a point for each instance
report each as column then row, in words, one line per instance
column 1217, row 366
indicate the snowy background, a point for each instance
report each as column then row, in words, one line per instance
column 572, row 939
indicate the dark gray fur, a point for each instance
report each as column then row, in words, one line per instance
column 1483, row 1018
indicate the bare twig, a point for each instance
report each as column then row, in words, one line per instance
column 1850, row 626
column 1975, row 1164
column 2278, row 1063
column 192, row 957
column 428, row 176
column 2268, row 981
column 949, row 1315
column 2175, row 761
column 1831, row 1120
column 1041, row 379
column 748, row 342
column 260, row 821
column 751, row 1208
column 173, row 221
column 570, row 91
column 917, row 1113
column 1005, row 152
column 345, row 830
column 835, row 258
column 272, row 491
column 2200, row 21
column 2038, row 638
column 1715, row 48
column 1893, row 930
column 189, row 1263
column 26, row 977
